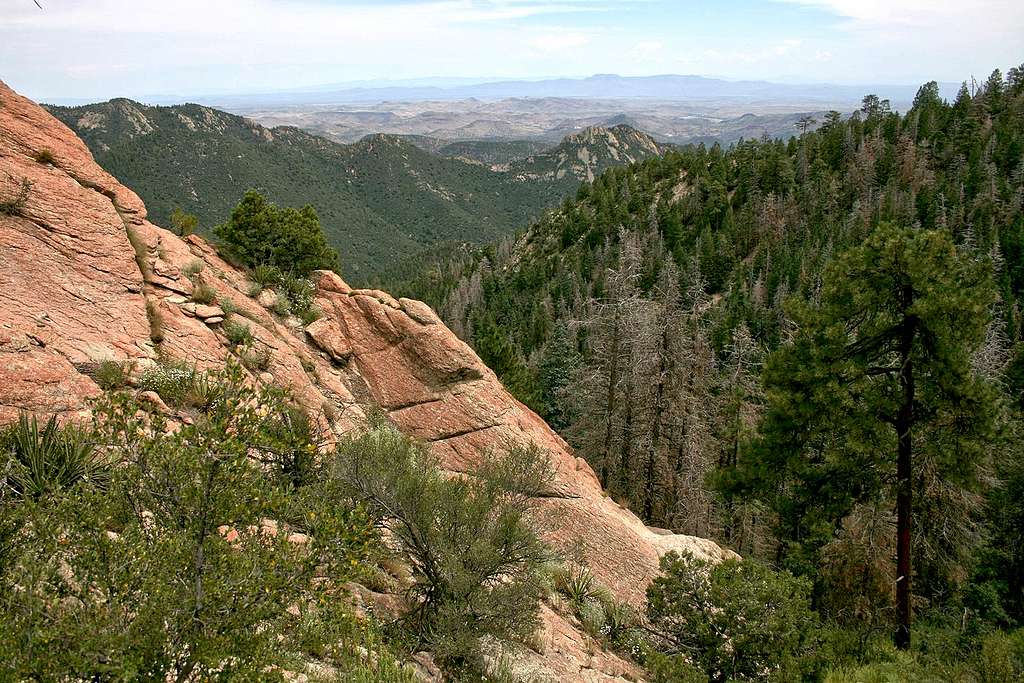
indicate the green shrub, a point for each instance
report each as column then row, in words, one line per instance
column 576, row 583
column 156, row 321
column 45, row 156
column 192, row 268
column 299, row 291
column 739, row 619
column 310, row 315
column 12, row 206
column 110, row 374
column 56, row 457
column 203, row 393
column 203, row 293
column 662, row 668
column 173, row 381
column 229, row 307
column 591, row 616
column 1001, row 657
column 183, row 223
column 238, row 333
column 458, row 535
column 282, row 306
column 297, row 438
column 172, row 572
column 619, row 620
column 259, row 233
column 266, row 276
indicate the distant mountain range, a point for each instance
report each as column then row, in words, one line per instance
column 544, row 121
column 380, row 200
column 663, row 87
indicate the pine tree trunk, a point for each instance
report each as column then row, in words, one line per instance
column 904, row 489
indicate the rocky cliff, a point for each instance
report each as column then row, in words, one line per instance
column 85, row 277
column 583, row 156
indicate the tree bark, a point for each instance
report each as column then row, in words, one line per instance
column 904, row 489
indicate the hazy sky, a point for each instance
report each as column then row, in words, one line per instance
column 105, row 48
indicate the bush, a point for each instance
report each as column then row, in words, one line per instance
column 183, row 223
column 13, row 205
column 1001, row 658
column 173, row 381
column 282, row 306
column 110, row 374
column 45, row 156
column 475, row 563
column 192, row 268
column 663, row 668
column 297, row 439
column 267, row 276
column 576, row 583
column 259, row 233
column 238, row 333
column 177, row 570
column 41, row 462
column 203, row 293
column 739, row 620
column 229, row 307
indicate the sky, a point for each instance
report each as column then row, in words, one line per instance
column 98, row 49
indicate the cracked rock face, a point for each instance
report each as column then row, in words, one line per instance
column 79, row 264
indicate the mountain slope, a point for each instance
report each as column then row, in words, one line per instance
column 377, row 199
column 720, row 239
column 87, row 277
column 581, row 157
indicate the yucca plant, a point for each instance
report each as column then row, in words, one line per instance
column 577, row 584
column 619, row 618
column 204, row 392
column 53, row 458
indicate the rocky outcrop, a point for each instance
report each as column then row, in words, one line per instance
column 85, row 277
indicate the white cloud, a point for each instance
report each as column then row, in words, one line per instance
column 908, row 40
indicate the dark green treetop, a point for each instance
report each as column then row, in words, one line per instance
column 260, row 233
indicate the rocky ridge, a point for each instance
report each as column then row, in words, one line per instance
column 584, row 155
column 85, row 277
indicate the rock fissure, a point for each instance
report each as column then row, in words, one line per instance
column 462, row 432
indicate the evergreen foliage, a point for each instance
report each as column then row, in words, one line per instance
column 722, row 334
column 180, row 566
column 381, row 200
column 735, row 621
column 475, row 562
column 877, row 392
column 261, row 234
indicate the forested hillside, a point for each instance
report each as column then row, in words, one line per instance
column 380, row 200
column 795, row 348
